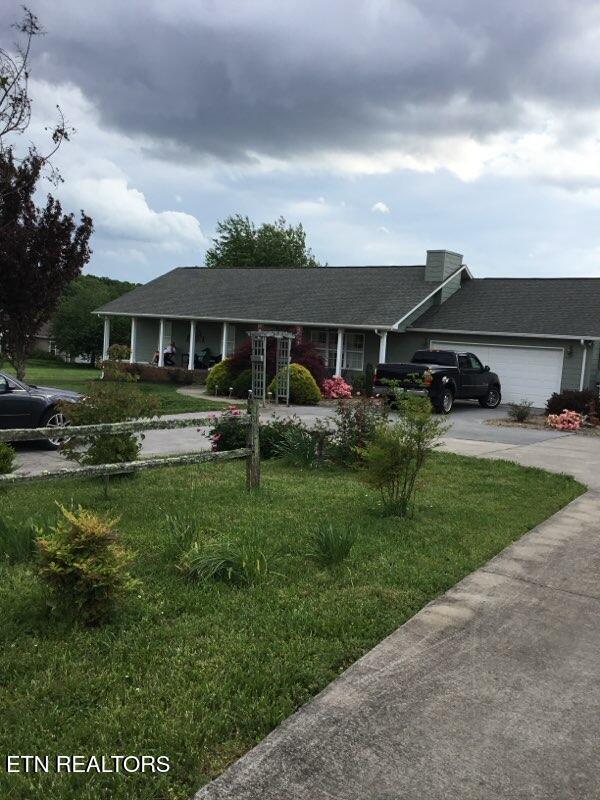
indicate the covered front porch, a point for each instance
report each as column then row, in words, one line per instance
column 197, row 343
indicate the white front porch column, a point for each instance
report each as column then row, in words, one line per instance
column 106, row 341
column 382, row 346
column 339, row 351
column 133, row 346
column 161, row 343
column 224, row 342
column 192, row 344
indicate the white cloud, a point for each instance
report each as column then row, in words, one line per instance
column 380, row 208
column 123, row 212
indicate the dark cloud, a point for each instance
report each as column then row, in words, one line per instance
column 225, row 79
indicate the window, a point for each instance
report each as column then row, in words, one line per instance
column 230, row 341
column 52, row 349
column 326, row 344
column 353, row 348
column 470, row 362
column 354, row 351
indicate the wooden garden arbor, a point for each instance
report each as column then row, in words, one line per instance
column 282, row 364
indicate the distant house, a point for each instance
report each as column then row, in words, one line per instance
column 539, row 334
column 44, row 341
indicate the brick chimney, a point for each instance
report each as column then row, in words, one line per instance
column 441, row 264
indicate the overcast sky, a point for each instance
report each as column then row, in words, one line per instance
column 385, row 127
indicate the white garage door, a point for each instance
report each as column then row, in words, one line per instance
column 529, row 373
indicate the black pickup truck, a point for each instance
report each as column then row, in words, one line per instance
column 444, row 376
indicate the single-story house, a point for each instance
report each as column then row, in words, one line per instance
column 539, row 334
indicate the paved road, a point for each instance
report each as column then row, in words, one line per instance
column 467, row 421
column 489, row 693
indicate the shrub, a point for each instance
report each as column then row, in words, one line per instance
column 355, row 425
column 358, row 383
column 219, row 378
column 179, row 375
column 297, row 447
column 520, row 412
column 150, row 373
column 119, row 352
column 369, row 377
column 227, row 434
column 567, row 421
column 303, row 351
column 84, row 566
column 274, row 431
column 584, row 402
column 242, row 384
column 396, row 454
column 7, row 458
column 241, row 565
column 330, row 546
column 303, row 388
column 336, row 388
column 110, row 401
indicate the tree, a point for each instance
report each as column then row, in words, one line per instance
column 15, row 103
column 74, row 328
column 41, row 251
column 239, row 243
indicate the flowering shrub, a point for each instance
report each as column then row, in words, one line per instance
column 565, row 421
column 336, row 388
column 226, row 433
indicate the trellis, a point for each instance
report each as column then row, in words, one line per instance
column 259, row 341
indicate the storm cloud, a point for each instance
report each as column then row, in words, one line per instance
column 237, row 81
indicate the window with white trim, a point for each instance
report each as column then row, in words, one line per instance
column 354, row 351
column 326, row 344
column 230, row 340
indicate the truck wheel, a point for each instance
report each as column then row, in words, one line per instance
column 445, row 402
column 492, row 398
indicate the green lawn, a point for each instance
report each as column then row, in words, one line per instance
column 201, row 672
column 77, row 376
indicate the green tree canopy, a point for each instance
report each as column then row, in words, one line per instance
column 75, row 329
column 239, row 243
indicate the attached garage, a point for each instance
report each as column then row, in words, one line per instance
column 529, row 373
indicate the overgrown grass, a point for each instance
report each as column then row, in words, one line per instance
column 76, row 376
column 200, row 671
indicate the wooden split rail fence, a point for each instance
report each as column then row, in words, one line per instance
column 251, row 452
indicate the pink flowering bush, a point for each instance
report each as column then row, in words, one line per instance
column 566, row 420
column 336, row 388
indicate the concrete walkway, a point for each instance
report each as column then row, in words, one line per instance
column 491, row 691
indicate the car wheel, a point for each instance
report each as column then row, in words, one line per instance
column 445, row 403
column 492, row 398
column 53, row 419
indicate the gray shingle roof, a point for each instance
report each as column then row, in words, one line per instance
column 547, row 306
column 345, row 296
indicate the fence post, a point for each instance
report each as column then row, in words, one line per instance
column 253, row 445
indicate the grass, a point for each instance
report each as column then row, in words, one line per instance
column 77, row 376
column 201, row 671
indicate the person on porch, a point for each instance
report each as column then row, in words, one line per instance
column 169, row 355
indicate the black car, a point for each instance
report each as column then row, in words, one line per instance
column 444, row 376
column 27, row 406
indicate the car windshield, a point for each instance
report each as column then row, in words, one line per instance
column 13, row 382
column 443, row 358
